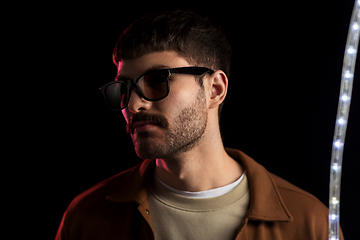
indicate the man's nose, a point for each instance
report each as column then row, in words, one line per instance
column 137, row 103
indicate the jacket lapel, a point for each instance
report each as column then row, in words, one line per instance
column 266, row 203
column 134, row 187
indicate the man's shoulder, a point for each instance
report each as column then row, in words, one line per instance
column 286, row 186
column 99, row 192
column 105, row 206
column 293, row 197
column 297, row 200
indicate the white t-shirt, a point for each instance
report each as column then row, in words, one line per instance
column 216, row 192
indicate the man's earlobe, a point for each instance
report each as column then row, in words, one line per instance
column 218, row 88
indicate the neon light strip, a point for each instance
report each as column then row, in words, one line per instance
column 341, row 121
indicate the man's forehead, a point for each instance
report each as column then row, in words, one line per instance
column 125, row 73
column 131, row 68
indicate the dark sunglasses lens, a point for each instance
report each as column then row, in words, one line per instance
column 154, row 85
column 116, row 95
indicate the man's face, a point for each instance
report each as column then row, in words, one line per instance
column 165, row 128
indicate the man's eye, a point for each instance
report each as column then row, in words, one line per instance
column 158, row 79
column 155, row 79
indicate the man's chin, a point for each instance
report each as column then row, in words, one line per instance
column 146, row 153
column 146, row 146
column 146, row 139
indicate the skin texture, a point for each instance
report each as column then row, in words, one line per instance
column 181, row 131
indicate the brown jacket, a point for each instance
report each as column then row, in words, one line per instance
column 117, row 208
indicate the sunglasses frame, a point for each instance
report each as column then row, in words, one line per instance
column 132, row 83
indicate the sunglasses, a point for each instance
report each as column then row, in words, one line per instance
column 151, row 86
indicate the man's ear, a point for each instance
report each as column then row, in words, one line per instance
column 219, row 86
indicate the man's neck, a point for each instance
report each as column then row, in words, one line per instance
column 206, row 166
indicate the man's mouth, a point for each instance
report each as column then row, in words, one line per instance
column 143, row 126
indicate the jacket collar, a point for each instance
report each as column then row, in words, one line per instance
column 266, row 203
column 135, row 185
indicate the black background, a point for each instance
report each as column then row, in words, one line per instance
column 280, row 109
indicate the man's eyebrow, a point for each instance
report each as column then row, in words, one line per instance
column 152, row 68
column 157, row 67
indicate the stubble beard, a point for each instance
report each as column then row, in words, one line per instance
column 182, row 134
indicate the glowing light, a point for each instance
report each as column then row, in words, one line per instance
column 348, row 74
column 335, row 167
column 335, row 201
column 345, row 98
column 341, row 121
column 355, row 26
column 338, row 144
column 351, row 50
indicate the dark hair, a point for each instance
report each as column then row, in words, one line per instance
column 192, row 36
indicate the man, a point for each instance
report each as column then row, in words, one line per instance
column 173, row 70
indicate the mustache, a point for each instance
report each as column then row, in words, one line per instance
column 155, row 118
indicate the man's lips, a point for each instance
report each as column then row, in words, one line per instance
column 143, row 125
